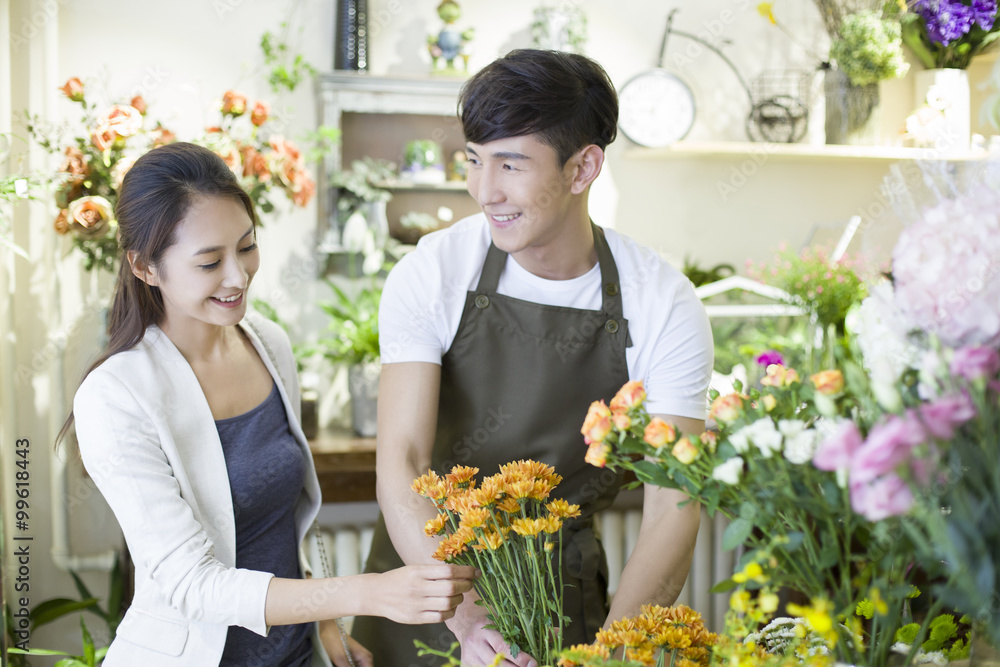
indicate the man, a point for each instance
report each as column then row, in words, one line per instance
column 498, row 332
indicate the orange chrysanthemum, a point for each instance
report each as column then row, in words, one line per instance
column 562, row 509
column 475, row 517
column 462, row 477
column 436, row 525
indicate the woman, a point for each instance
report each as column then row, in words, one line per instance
column 188, row 424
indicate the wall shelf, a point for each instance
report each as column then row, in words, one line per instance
column 727, row 150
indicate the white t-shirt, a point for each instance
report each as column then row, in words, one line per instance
column 671, row 352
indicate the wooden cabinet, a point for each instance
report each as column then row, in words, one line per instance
column 377, row 116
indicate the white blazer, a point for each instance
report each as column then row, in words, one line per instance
column 148, row 439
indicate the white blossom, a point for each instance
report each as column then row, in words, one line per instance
column 729, row 472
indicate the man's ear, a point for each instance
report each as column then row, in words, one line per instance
column 587, row 165
column 144, row 272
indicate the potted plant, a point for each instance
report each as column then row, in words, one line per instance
column 352, row 339
column 361, row 201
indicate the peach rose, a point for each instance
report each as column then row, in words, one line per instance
column 90, row 216
column 61, row 224
column 231, row 156
column 629, row 396
column 621, row 421
column 163, row 137
column 260, row 113
column 255, row 164
column 75, row 164
column 597, row 454
column 73, row 89
column 685, row 451
column 829, row 382
column 597, row 424
column 659, row 432
column 123, row 119
column 769, row 402
column 139, row 104
column 726, row 408
column 103, row 137
column 120, row 169
column 710, row 439
column 233, row 103
column 304, row 192
column 779, row 376
column 285, row 149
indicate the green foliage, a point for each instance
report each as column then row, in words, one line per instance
column 352, row 334
column 869, row 49
column 320, row 142
column 363, row 182
column 91, row 657
column 699, row 276
column 286, row 71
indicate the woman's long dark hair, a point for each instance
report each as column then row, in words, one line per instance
column 154, row 197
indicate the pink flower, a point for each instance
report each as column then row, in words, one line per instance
column 835, row 452
column 942, row 416
column 888, row 445
column 974, row 363
column 881, row 498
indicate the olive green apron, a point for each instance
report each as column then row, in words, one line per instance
column 516, row 384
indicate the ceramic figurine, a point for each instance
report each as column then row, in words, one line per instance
column 449, row 44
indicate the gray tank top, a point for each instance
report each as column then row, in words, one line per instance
column 266, row 477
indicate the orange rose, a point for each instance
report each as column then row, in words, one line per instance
column 629, row 396
column 90, row 216
column 61, row 224
column 829, row 382
column 304, row 193
column 75, row 164
column 233, row 103
column 659, row 432
column 73, row 89
column 138, row 104
column 685, row 451
column 779, row 376
column 285, row 149
column 123, row 119
column 597, row 454
column 102, row 137
column 260, row 113
column 597, row 424
column 726, row 408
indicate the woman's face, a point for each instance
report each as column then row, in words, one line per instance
column 204, row 276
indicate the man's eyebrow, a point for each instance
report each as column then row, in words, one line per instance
column 502, row 155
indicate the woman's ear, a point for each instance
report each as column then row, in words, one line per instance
column 587, row 165
column 144, row 272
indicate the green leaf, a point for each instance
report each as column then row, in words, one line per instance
column 88, row 643
column 36, row 651
column 50, row 610
column 724, row 586
column 736, row 533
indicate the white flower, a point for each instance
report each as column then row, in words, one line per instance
column 740, row 440
column 881, row 334
column 765, row 437
column 800, row 448
column 729, row 472
column 790, row 427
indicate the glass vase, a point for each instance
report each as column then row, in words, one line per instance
column 983, row 650
column 852, row 112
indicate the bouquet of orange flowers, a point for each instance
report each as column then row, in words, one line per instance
column 658, row 637
column 506, row 527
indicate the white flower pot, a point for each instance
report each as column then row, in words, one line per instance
column 946, row 90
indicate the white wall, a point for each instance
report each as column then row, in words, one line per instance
column 184, row 54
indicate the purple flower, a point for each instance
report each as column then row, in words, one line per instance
column 836, row 451
column 769, row 357
column 984, row 13
column 976, row 362
column 888, row 445
column 943, row 416
column 946, row 20
column 881, row 498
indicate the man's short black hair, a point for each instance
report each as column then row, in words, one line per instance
column 566, row 99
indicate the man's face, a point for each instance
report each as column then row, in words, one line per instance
column 522, row 189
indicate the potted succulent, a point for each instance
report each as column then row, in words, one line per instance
column 352, row 339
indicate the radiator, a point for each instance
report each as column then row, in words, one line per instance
column 348, row 544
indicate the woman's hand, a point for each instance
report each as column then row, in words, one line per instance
column 481, row 646
column 420, row 593
column 329, row 634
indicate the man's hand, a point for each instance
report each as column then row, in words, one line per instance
column 479, row 645
column 329, row 635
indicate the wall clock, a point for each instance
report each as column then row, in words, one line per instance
column 655, row 108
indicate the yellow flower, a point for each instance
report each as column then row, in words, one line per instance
column 509, row 505
column 644, row 654
column 740, row 601
column 828, row 383
column 487, row 494
column 424, row 482
column 436, row 525
column 527, row 527
column 818, row 616
column 597, row 454
column 726, row 408
column 522, row 489
column 597, row 423
column 550, row 524
column 768, row 603
column 462, row 477
column 562, row 509
column 540, row 490
column 769, row 402
column 779, row 376
column 752, row 572
column 475, row 517
column 491, row 540
column 766, row 9
column 629, row 396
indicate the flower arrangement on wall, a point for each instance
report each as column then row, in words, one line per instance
column 105, row 143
